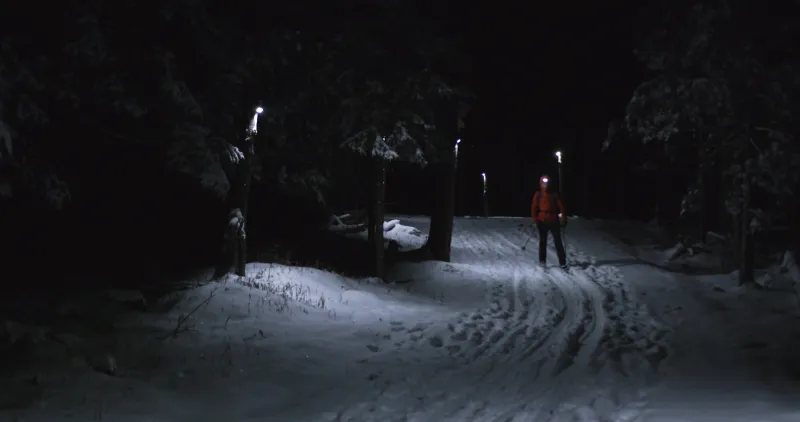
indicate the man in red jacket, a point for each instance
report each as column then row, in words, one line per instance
column 548, row 213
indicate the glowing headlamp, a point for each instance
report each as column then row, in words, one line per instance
column 544, row 180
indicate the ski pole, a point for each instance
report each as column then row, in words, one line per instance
column 526, row 242
column 529, row 238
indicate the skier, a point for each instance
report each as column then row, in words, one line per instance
column 546, row 208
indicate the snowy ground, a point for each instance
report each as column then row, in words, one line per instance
column 488, row 337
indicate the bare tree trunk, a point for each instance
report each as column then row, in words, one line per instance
column 242, row 201
column 587, row 201
column 376, row 213
column 235, row 250
column 371, row 199
column 707, row 208
column 621, row 187
column 795, row 219
column 441, row 230
column 747, row 252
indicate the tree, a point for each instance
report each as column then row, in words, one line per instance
column 388, row 95
column 183, row 78
column 715, row 95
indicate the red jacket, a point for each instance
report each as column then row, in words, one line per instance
column 547, row 208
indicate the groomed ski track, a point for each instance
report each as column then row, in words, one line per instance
column 540, row 344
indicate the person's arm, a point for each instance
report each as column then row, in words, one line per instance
column 535, row 206
column 561, row 210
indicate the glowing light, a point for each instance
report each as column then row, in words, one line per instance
column 544, row 180
column 558, row 155
column 253, row 127
column 458, row 141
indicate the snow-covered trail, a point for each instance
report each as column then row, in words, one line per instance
column 488, row 337
column 543, row 345
column 737, row 352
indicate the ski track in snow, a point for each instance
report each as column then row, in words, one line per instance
column 522, row 356
column 517, row 343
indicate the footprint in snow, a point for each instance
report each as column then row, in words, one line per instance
column 436, row 341
column 454, row 349
column 459, row 336
column 419, row 327
column 373, row 348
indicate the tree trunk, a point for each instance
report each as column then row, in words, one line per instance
column 795, row 219
column 376, row 210
column 621, row 187
column 747, row 252
column 235, row 250
column 371, row 200
column 587, row 201
column 621, row 207
column 441, row 228
column 241, row 201
column 707, row 207
column 659, row 197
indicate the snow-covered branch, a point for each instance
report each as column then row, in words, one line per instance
column 236, row 224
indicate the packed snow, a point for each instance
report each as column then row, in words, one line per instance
column 492, row 336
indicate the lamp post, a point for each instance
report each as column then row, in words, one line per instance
column 560, row 177
column 485, row 196
column 253, row 128
column 238, row 215
column 456, row 186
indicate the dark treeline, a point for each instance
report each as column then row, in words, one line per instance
column 126, row 144
column 718, row 119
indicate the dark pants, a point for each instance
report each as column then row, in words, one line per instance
column 555, row 229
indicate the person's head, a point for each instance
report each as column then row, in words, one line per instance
column 544, row 182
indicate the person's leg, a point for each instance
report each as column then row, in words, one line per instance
column 562, row 255
column 542, row 227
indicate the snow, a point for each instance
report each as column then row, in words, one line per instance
column 397, row 144
column 488, row 337
column 406, row 237
column 234, row 154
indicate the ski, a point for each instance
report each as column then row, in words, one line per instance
column 547, row 268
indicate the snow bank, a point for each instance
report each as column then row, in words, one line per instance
column 282, row 331
column 405, row 237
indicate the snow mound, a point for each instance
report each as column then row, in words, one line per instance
column 406, row 237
